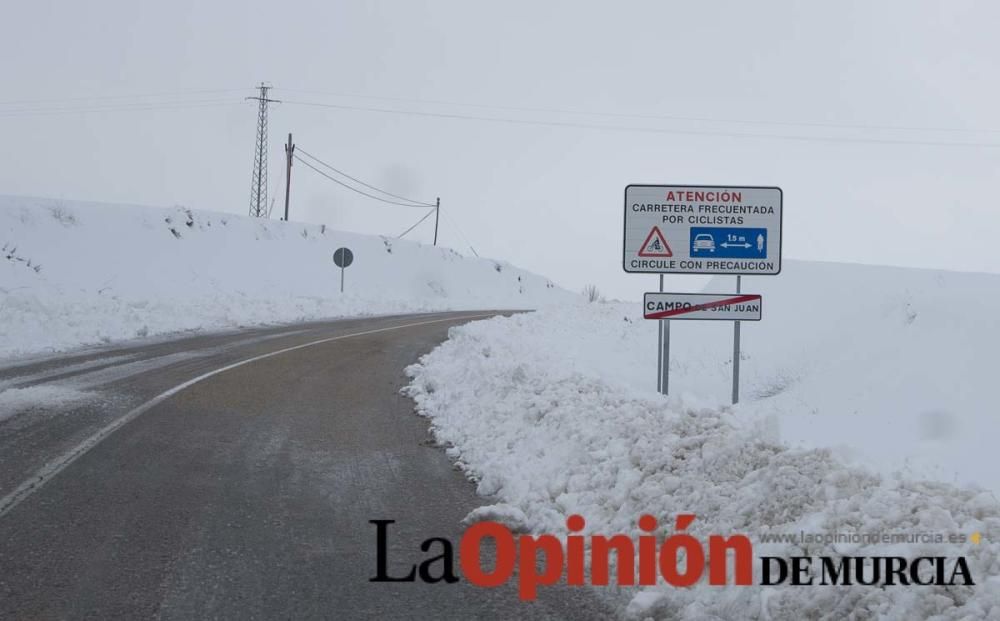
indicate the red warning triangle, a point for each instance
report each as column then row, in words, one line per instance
column 655, row 245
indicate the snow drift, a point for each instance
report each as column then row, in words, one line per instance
column 79, row 273
column 861, row 386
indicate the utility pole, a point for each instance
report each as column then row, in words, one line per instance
column 289, row 152
column 258, row 182
column 437, row 214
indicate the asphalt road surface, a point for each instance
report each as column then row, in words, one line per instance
column 233, row 476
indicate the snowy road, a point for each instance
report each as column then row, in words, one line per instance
column 246, row 494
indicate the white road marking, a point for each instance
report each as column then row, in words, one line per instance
column 114, row 368
column 44, row 474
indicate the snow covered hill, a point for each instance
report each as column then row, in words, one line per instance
column 893, row 367
column 76, row 273
column 867, row 408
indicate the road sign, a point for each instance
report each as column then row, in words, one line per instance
column 655, row 245
column 343, row 257
column 727, row 306
column 677, row 229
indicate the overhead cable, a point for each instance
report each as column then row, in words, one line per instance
column 355, row 179
column 660, row 117
column 24, row 112
column 353, row 189
column 427, row 215
column 98, row 98
column 460, row 233
column 652, row 130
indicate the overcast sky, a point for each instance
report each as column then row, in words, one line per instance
column 853, row 108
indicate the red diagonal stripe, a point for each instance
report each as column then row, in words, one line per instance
column 701, row 307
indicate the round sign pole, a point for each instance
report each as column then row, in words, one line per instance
column 341, row 278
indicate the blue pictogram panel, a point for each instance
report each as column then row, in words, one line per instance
column 728, row 243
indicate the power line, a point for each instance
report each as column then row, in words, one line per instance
column 367, row 185
column 117, row 108
column 462, row 235
column 353, row 189
column 656, row 130
column 114, row 105
column 427, row 215
column 136, row 96
column 549, row 110
column 662, row 117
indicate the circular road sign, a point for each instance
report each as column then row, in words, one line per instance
column 343, row 257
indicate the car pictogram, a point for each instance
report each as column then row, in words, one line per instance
column 703, row 241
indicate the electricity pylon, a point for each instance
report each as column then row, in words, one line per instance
column 258, row 183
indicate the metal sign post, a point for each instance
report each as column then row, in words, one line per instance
column 343, row 257
column 663, row 353
column 736, row 353
column 659, row 350
column 666, row 355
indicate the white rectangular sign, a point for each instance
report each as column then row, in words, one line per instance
column 679, row 229
column 728, row 306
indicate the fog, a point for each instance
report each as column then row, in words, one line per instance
column 527, row 119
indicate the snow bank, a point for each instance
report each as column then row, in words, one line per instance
column 80, row 273
column 554, row 414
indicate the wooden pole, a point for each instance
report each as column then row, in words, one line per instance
column 289, row 152
column 437, row 214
